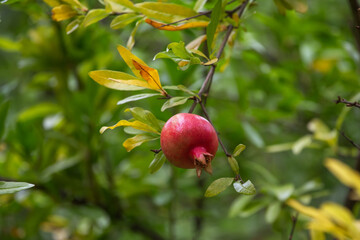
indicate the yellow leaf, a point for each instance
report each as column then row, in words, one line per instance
column 137, row 140
column 128, row 58
column 195, row 44
column 338, row 214
column 62, row 12
column 118, row 80
column 151, row 75
column 212, row 61
column 135, row 124
column 163, row 26
column 308, row 211
column 317, row 235
column 344, row 173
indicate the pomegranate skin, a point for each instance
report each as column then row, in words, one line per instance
column 189, row 141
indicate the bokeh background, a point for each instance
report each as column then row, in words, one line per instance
column 284, row 71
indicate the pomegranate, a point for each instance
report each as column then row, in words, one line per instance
column 189, row 141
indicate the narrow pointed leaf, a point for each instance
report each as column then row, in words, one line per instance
column 131, row 41
column 137, row 97
column 246, row 188
column 199, row 5
column 344, row 173
column 157, row 163
column 94, row 16
column 172, row 102
column 137, row 140
column 135, row 124
column 218, row 186
column 11, row 187
column 166, row 12
column 233, row 164
column 124, row 20
column 4, row 109
column 181, row 88
column 118, row 80
column 72, row 26
column 214, row 22
column 253, row 135
column 238, row 149
column 272, row 212
column 145, row 116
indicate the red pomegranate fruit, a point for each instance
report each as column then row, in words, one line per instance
column 189, row 141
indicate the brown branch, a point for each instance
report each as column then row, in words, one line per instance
column 347, row 103
column 351, row 141
column 211, row 72
column 294, row 221
column 208, row 118
column 354, row 6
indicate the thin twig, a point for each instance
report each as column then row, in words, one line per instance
column 354, row 7
column 351, row 141
column 188, row 18
column 294, row 221
column 218, row 55
column 347, row 103
column 208, row 118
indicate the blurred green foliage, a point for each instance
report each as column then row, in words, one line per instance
column 283, row 72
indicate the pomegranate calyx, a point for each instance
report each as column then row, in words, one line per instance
column 202, row 160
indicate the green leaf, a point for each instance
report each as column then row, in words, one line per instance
column 239, row 204
column 157, row 163
column 181, row 88
column 131, row 41
column 11, row 187
column 4, row 109
column 262, row 171
column 125, row 3
column 60, row 166
column 38, row 111
column 166, row 12
column 94, row 16
column 238, row 149
column 145, row 116
column 174, row 101
column 137, row 140
column 214, row 21
column 124, row 20
column 9, row 45
column 199, row 5
column 137, row 97
column 132, row 131
column 253, row 135
column 309, row 186
column 72, row 26
column 283, row 192
column 178, row 48
column 301, row 143
column 233, row 164
column 272, row 212
column 218, row 186
column 247, row 188
column 118, row 80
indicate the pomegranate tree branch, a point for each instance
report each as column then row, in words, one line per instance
column 355, row 10
column 208, row 118
column 211, row 72
column 350, row 141
column 294, row 221
column 347, row 103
